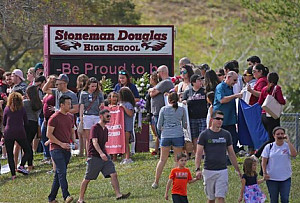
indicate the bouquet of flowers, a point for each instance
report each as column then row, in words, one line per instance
column 142, row 85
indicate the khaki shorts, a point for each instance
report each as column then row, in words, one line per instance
column 215, row 183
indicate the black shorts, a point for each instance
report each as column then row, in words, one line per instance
column 179, row 198
column 95, row 165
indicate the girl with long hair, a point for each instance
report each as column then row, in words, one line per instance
column 33, row 107
column 186, row 73
column 269, row 122
column 80, row 84
column 171, row 120
column 14, row 119
column 260, row 73
column 125, row 81
column 127, row 102
column 90, row 101
column 211, row 81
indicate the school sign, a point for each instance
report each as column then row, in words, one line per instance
column 104, row 50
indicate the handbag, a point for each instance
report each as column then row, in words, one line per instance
column 80, row 125
column 272, row 106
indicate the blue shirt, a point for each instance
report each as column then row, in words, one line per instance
column 131, row 86
column 229, row 109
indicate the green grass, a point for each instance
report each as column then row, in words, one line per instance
column 135, row 178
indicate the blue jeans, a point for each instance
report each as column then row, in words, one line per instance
column 61, row 159
column 282, row 187
column 45, row 139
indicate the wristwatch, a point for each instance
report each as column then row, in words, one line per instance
column 198, row 169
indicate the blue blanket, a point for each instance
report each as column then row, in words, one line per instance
column 251, row 131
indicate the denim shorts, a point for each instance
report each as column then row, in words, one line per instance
column 175, row 142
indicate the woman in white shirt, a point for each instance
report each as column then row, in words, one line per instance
column 276, row 165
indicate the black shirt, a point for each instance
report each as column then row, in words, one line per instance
column 196, row 101
column 250, row 180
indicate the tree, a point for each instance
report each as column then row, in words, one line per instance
column 21, row 25
column 281, row 19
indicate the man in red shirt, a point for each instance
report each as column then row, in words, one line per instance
column 60, row 131
column 98, row 159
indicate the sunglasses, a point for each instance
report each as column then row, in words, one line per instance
column 108, row 116
column 122, row 72
column 183, row 72
column 219, row 75
column 219, row 119
column 247, row 75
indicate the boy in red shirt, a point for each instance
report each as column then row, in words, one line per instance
column 180, row 177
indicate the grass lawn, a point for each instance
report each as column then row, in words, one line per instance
column 135, row 178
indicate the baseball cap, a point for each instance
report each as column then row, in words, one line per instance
column 194, row 78
column 63, row 77
column 38, row 66
column 19, row 73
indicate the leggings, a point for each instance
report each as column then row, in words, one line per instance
column 9, row 144
column 31, row 129
column 269, row 124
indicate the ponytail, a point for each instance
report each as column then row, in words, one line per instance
column 173, row 99
column 175, row 105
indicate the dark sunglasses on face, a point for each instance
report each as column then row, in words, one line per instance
column 183, row 72
column 247, row 75
column 219, row 119
column 122, row 72
column 219, row 75
column 108, row 116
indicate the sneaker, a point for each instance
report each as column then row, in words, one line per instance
column 154, row 186
column 22, row 170
column 3, row 157
column 123, row 196
column 123, row 161
column 50, row 172
column 69, row 199
column 127, row 161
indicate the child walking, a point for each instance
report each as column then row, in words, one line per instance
column 250, row 190
column 180, row 177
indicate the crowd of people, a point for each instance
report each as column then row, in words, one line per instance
column 200, row 108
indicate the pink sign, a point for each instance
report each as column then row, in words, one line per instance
column 116, row 131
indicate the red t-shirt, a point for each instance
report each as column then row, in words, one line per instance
column 102, row 135
column 259, row 85
column 63, row 124
column 180, row 178
column 47, row 102
column 265, row 93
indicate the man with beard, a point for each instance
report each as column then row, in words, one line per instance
column 157, row 93
column 98, row 159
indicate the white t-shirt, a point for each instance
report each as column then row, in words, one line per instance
column 279, row 164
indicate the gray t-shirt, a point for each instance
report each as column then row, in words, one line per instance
column 86, row 99
column 215, row 146
column 158, row 101
column 128, row 121
column 171, row 121
column 31, row 115
column 57, row 94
